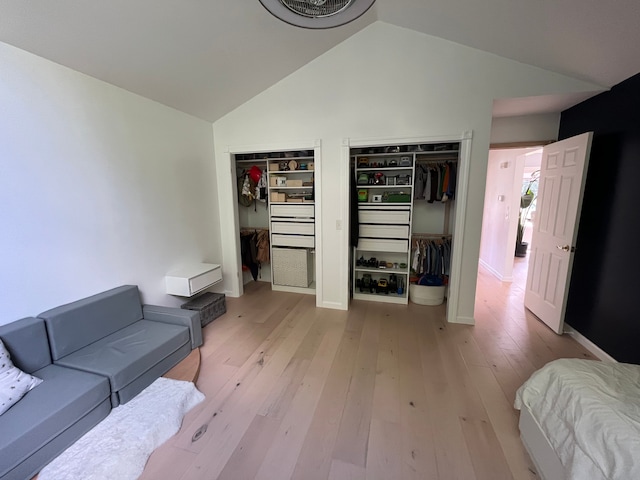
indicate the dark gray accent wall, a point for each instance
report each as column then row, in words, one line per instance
column 604, row 294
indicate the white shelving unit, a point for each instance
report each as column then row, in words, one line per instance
column 387, row 217
column 292, row 223
column 385, row 192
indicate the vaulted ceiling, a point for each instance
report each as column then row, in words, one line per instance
column 206, row 57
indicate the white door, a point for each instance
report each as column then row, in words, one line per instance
column 560, row 191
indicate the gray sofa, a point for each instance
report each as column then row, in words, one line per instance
column 49, row 418
column 92, row 354
column 113, row 335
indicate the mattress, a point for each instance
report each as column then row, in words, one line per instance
column 590, row 413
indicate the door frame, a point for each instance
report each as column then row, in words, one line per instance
column 462, row 191
column 232, row 237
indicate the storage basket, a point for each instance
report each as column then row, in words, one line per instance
column 426, row 295
column 292, row 267
column 210, row 306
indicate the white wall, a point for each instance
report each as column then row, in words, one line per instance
column 501, row 207
column 99, row 187
column 525, row 128
column 385, row 81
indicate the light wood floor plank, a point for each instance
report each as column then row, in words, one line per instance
column 287, row 443
column 353, row 435
column 346, row 471
column 418, row 441
column 315, row 460
column 250, row 452
column 384, row 455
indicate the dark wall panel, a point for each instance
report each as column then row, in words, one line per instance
column 604, row 295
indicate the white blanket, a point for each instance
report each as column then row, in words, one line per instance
column 119, row 446
column 590, row 413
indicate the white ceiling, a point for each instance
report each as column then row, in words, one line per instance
column 206, row 57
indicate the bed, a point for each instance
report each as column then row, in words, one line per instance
column 580, row 420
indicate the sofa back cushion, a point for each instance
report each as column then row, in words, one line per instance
column 26, row 340
column 75, row 325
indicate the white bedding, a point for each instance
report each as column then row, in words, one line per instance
column 590, row 412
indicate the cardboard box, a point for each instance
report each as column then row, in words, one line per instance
column 274, row 167
column 277, row 197
column 294, row 183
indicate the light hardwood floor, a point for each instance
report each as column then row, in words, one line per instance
column 379, row 392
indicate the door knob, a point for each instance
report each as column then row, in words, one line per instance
column 566, row 248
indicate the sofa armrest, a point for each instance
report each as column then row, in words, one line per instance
column 176, row 316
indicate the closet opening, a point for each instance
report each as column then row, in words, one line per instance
column 403, row 200
column 275, row 192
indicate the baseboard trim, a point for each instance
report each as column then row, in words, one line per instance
column 589, row 345
column 464, row 320
column 494, row 272
column 334, row 306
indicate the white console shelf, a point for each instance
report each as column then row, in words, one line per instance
column 190, row 279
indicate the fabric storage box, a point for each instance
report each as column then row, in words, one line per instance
column 426, row 294
column 209, row 305
column 292, row 267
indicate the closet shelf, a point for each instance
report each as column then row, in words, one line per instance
column 402, row 271
column 378, row 169
column 306, row 187
column 381, row 297
column 291, row 171
column 385, row 186
column 385, row 204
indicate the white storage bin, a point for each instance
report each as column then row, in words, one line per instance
column 299, row 228
column 397, row 217
column 292, row 240
column 426, row 294
column 292, row 211
column 384, row 231
column 292, row 267
column 383, row 245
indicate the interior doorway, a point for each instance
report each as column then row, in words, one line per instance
column 509, row 212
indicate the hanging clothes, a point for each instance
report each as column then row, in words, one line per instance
column 262, row 245
column 431, row 258
column 420, row 182
column 249, row 253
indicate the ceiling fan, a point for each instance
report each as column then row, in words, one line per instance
column 317, row 13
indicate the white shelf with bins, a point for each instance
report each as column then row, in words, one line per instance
column 292, row 224
column 385, row 226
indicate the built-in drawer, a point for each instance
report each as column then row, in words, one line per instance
column 292, row 240
column 300, row 228
column 397, row 217
column 384, row 231
column 383, row 245
column 292, row 211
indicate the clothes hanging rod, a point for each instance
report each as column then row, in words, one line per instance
column 257, row 160
column 428, row 236
column 436, row 160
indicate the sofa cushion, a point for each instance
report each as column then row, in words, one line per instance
column 27, row 341
column 64, row 396
column 126, row 354
column 78, row 324
column 14, row 383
